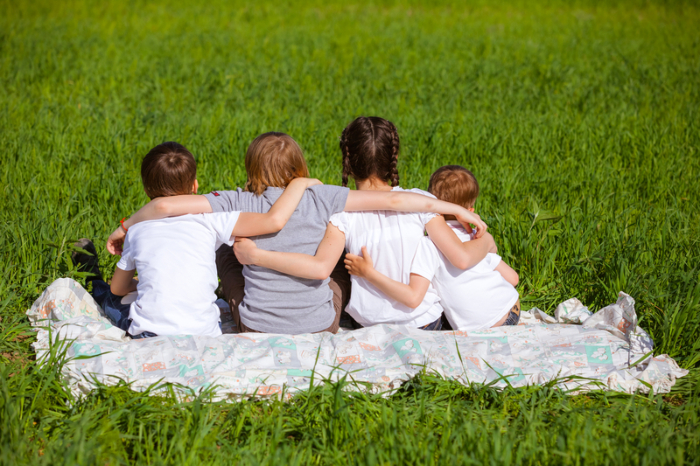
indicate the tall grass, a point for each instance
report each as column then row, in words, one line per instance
column 580, row 120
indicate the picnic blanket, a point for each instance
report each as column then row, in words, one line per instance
column 577, row 349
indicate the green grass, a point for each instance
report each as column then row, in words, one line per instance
column 580, row 120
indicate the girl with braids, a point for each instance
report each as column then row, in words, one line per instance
column 370, row 147
column 263, row 299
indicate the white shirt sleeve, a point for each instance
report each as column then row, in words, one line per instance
column 126, row 262
column 342, row 221
column 427, row 216
column 223, row 224
column 426, row 262
column 492, row 261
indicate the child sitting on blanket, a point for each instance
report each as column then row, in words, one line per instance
column 175, row 256
column 370, row 147
column 477, row 298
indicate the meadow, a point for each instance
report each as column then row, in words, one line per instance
column 580, row 120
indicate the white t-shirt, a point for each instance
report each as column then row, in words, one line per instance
column 392, row 239
column 473, row 299
column 175, row 259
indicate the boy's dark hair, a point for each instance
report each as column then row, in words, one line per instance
column 168, row 170
column 455, row 184
column 370, row 147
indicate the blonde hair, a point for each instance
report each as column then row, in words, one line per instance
column 273, row 159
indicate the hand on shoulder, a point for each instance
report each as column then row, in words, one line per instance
column 308, row 182
column 115, row 242
column 467, row 219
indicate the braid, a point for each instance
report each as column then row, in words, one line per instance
column 346, row 157
column 394, row 170
column 375, row 150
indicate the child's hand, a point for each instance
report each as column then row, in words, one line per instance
column 307, row 181
column 359, row 266
column 115, row 242
column 245, row 251
column 467, row 218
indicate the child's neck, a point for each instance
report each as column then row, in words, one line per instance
column 372, row 184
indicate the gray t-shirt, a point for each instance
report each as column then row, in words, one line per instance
column 275, row 302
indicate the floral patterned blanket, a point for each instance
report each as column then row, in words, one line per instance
column 576, row 348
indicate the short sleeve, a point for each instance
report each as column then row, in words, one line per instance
column 226, row 201
column 425, row 217
column 223, row 224
column 342, row 221
column 127, row 262
column 492, row 260
column 426, row 261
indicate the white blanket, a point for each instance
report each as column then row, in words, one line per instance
column 577, row 349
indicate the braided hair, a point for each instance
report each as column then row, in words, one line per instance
column 394, row 172
column 347, row 171
column 370, row 147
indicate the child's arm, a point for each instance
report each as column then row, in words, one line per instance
column 254, row 224
column 123, row 282
column 160, row 207
column 412, row 202
column 510, row 275
column 461, row 255
column 318, row 267
column 410, row 295
column 249, row 224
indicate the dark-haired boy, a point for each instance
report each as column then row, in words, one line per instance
column 477, row 298
column 175, row 257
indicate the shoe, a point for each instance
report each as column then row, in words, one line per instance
column 86, row 261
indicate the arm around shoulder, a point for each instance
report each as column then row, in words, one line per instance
column 158, row 208
column 171, row 206
column 254, row 224
column 410, row 295
column 411, row 202
column 317, row 267
column 461, row 255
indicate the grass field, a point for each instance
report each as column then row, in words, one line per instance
column 580, row 120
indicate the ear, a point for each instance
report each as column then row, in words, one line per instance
column 471, row 209
column 195, row 187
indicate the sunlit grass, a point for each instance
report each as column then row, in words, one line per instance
column 580, row 121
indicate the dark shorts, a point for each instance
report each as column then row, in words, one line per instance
column 437, row 325
column 513, row 315
column 114, row 309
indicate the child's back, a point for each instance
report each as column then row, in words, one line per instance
column 175, row 259
column 392, row 240
column 473, row 299
column 275, row 302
